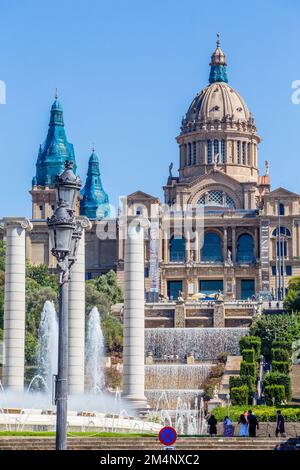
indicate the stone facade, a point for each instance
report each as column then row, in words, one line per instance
column 250, row 239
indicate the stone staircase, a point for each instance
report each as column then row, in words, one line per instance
column 142, row 443
column 232, row 368
column 295, row 376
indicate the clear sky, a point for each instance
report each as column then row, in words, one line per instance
column 126, row 72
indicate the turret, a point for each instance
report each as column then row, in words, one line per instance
column 95, row 202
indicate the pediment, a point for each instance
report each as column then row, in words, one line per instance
column 140, row 195
column 281, row 192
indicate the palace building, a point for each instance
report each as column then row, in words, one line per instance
column 250, row 239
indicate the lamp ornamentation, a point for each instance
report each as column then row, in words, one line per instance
column 65, row 234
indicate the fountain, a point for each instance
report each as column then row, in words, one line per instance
column 204, row 343
column 95, row 353
column 47, row 345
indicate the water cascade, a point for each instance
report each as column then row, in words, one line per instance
column 47, row 345
column 95, row 353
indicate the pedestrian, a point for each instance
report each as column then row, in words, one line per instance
column 228, row 427
column 280, row 429
column 252, row 423
column 212, row 425
column 243, row 426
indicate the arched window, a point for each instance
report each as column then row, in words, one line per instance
column 216, row 149
column 194, row 153
column 283, row 231
column 245, row 249
column 248, row 154
column 209, row 151
column 189, row 155
column 281, row 209
column 239, row 151
column 222, row 160
column 177, row 249
column 216, row 198
column 212, row 247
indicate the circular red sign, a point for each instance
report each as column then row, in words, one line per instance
column 167, row 436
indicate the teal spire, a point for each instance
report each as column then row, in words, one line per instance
column 55, row 150
column 95, row 202
column 218, row 72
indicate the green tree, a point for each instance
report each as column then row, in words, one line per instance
column 280, row 327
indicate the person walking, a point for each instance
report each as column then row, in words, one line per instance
column 228, row 427
column 243, row 426
column 280, row 428
column 253, row 424
column 212, row 425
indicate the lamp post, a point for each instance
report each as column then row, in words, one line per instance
column 64, row 238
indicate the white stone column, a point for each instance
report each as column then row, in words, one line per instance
column 14, row 306
column 77, row 315
column 134, row 322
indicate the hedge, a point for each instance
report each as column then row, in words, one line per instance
column 277, row 378
column 248, row 355
column 281, row 355
column 238, row 381
column 274, row 394
column 263, row 413
column 251, row 342
column 239, row 395
column 248, row 369
column 281, row 366
column 283, row 345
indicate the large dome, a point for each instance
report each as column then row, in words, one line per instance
column 217, row 101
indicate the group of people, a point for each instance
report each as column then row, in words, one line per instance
column 248, row 425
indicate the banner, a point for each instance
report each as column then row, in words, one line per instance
column 264, row 254
column 154, row 245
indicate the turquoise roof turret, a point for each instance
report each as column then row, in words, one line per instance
column 218, row 71
column 95, row 201
column 54, row 151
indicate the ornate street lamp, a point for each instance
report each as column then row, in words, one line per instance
column 65, row 236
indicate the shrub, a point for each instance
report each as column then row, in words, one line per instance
column 280, row 327
column 288, row 346
column 248, row 355
column 248, row 369
column 280, row 355
column 251, row 342
column 263, row 413
column 274, row 394
column 239, row 395
column 238, row 381
column 222, row 357
column 281, row 366
column 277, row 378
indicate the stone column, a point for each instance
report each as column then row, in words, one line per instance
column 233, row 244
column 187, row 247
column 219, row 315
column 77, row 314
column 14, row 306
column 134, row 322
column 225, row 244
column 166, row 247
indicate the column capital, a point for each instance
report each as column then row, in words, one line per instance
column 22, row 222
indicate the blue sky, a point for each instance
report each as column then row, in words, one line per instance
column 126, row 72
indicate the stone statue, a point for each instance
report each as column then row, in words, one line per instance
column 266, row 167
column 229, row 258
column 170, row 170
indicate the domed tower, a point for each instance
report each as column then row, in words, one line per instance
column 95, row 201
column 218, row 130
column 51, row 162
